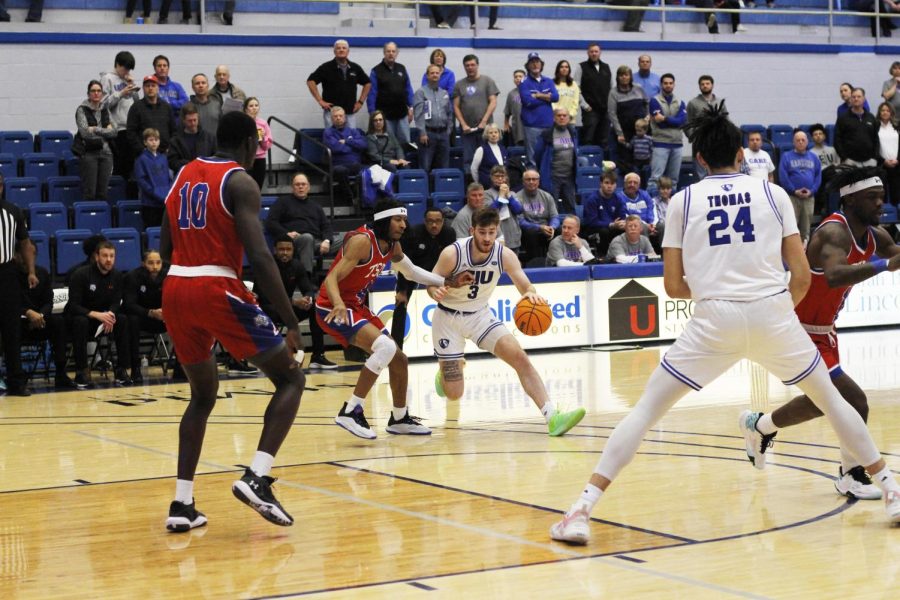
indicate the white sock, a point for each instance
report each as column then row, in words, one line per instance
column 548, row 410
column 885, row 480
column 262, row 463
column 589, row 497
column 399, row 413
column 184, row 491
column 765, row 425
column 354, row 401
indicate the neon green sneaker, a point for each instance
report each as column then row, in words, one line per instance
column 439, row 384
column 562, row 422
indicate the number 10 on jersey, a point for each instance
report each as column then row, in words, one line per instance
column 192, row 210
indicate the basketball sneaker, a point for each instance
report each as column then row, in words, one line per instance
column 856, row 483
column 439, row 384
column 355, row 422
column 408, row 425
column 562, row 422
column 256, row 492
column 756, row 443
column 575, row 528
column 892, row 506
column 184, row 517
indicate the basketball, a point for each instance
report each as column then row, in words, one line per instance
column 531, row 318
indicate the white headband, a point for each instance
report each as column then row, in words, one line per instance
column 860, row 185
column 387, row 214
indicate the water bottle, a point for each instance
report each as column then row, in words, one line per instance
column 139, row 20
column 642, row 258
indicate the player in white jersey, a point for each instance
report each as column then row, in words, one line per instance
column 725, row 240
column 463, row 314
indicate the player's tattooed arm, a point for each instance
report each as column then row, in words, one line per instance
column 828, row 251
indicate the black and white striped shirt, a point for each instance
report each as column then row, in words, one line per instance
column 12, row 230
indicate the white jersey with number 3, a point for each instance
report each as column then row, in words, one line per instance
column 487, row 273
column 730, row 228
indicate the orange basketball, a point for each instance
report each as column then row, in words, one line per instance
column 531, row 318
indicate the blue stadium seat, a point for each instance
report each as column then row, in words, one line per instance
column 829, row 131
column 94, row 215
column 152, row 238
column 450, row 200
column 415, row 206
column 9, row 165
column 128, row 214
column 412, row 181
column 16, row 143
column 456, row 158
column 116, row 189
column 310, row 151
column 889, row 214
column 41, row 241
column 127, row 241
column 65, row 189
column 593, row 154
column 449, row 181
column 48, row 217
column 780, row 133
column 68, row 248
column 579, row 211
column 752, row 128
column 23, row 191
column 42, row 165
column 588, row 178
column 56, row 142
column 517, row 153
column 265, row 206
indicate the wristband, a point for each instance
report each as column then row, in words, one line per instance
column 880, row 265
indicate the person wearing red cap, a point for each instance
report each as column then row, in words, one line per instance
column 150, row 112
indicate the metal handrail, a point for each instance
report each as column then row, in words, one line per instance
column 328, row 174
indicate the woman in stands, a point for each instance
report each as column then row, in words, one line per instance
column 448, row 77
column 95, row 131
column 569, row 93
column 844, row 106
column 384, row 150
column 889, row 149
column 264, row 135
column 627, row 103
column 491, row 153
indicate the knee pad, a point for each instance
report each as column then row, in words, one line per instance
column 383, row 351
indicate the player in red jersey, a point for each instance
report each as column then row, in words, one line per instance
column 342, row 313
column 212, row 216
column 840, row 254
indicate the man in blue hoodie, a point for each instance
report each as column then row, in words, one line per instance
column 347, row 145
column 800, row 174
column 667, row 117
column 169, row 90
column 538, row 93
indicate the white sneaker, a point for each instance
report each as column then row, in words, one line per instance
column 443, row 25
column 741, row 29
column 575, row 528
column 892, row 506
column 355, row 422
column 756, row 443
column 856, row 483
column 408, row 425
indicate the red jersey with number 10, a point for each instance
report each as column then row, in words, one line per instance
column 822, row 304
column 202, row 229
column 354, row 287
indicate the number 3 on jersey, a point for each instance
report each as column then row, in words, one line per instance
column 719, row 222
column 192, row 211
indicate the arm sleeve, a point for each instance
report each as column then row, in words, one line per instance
column 554, row 214
column 678, row 119
column 613, row 111
column 419, row 111
column 417, row 274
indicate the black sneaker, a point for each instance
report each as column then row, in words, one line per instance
column 17, row 390
column 355, row 422
column 64, row 382
column 256, row 492
column 241, row 368
column 408, row 425
column 122, row 378
column 184, row 517
column 319, row 361
column 83, row 383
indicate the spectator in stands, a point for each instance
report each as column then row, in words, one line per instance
column 638, row 202
column 856, row 133
column 119, row 93
column 507, row 205
column 846, row 90
column 347, row 145
column 668, row 115
column 392, row 93
column 604, row 213
column 142, row 305
column 567, row 249
column 463, row 219
column 538, row 93
column 185, row 15
column 705, row 99
column 129, row 11
column 383, row 149
column 568, row 89
column 228, row 12
column 539, row 218
column 886, row 8
column 641, row 148
column 829, row 159
column 95, row 133
column 433, row 114
column 232, row 96
column 492, row 17
column 556, row 155
column 627, row 103
column 169, row 90
column 192, row 141
column 94, row 307
column 596, row 81
column 264, row 137
column 447, row 79
column 491, row 153
column 35, row 11
column 888, row 147
column 303, row 220
column 648, row 80
column 209, row 106
column 339, row 78
column 474, row 101
column 633, row 18
column 512, row 112
column 422, row 244
column 39, row 323
column 661, row 201
column 800, row 174
column 889, row 89
column 150, row 112
column 302, row 292
column 710, row 17
column 631, row 246
column 151, row 171
column 757, row 162
column 441, row 21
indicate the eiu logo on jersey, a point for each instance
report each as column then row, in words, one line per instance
column 727, row 187
column 443, row 343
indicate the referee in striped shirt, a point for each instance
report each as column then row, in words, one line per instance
column 13, row 232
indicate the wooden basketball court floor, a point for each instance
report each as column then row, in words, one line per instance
column 86, row 479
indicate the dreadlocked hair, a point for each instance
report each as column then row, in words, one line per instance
column 714, row 136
